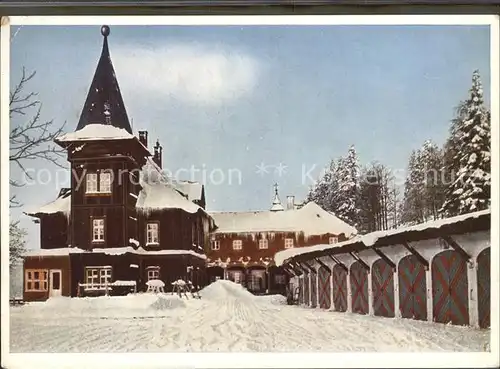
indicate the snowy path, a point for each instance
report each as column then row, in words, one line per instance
column 227, row 318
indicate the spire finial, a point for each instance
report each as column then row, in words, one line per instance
column 105, row 31
column 276, row 201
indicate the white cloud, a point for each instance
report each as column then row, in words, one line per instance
column 191, row 73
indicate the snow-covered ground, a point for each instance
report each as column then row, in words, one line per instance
column 226, row 318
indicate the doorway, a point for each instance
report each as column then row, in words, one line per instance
column 55, row 283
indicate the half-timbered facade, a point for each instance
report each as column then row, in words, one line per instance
column 122, row 222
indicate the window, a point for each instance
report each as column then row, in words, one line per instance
column 105, row 182
column 91, row 183
column 97, row 278
column 263, row 243
column 236, row 276
column 96, row 184
column 237, row 244
column 333, row 239
column 153, row 272
column 288, row 243
column 279, row 279
column 36, row 280
column 152, row 234
column 98, row 230
column 215, row 245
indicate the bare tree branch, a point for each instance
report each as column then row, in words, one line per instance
column 33, row 138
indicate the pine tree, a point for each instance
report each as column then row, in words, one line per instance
column 373, row 199
column 413, row 204
column 467, row 156
column 321, row 191
column 17, row 243
column 431, row 158
column 347, row 176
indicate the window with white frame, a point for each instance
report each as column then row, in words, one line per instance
column 263, row 243
column 98, row 183
column 152, row 237
column 91, row 183
column 105, row 182
column 216, row 245
column 153, row 272
column 97, row 278
column 333, row 239
column 36, row 280
column 237, row 244
column 98, row 230
column 288, row 243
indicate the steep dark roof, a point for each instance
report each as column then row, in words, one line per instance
column 104, row 103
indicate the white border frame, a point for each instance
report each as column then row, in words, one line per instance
column 241, row 360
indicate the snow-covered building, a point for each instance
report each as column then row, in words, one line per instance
column 121, row 219
column 243, row 246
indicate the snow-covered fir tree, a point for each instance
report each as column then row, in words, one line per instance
column 321, row 191
column 467, row 156
column 337, row 188
column 348, row 183
column 374, row 204
column 413, row 200
column 431, row 157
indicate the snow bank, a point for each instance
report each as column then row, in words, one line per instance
column 272, row 299
column 310, row 219
column 223, row 289
column 132, row 305
column 164, row 303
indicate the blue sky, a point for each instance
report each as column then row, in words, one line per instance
column 226, row 99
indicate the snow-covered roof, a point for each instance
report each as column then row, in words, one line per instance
column 311, row 219
column 370, row 239
column 93, row 132
column 157, row 193
column 62, row 204
column 158, row 196
column 65, row 251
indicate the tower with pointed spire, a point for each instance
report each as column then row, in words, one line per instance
column 276, row 205
column 104, row 103
column 122, row 218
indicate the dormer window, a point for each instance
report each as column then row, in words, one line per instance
column 152, row 234
column 98, row 183
column 333, row 240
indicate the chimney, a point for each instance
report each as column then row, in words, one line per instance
column 290, row 202
column 143, row 138
column 157, row 154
